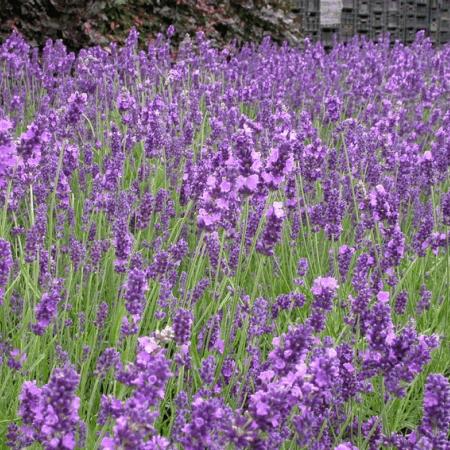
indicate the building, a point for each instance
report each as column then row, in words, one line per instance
column 327, row 19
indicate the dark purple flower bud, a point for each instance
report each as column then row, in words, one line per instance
column 17, row 305
column 246, row 160
column 178, row 251
column 71, row 159
column 81, row 321
column 135, row 289
column 206, row 418
column 199, row 290
column 96, row 253
column 144, row 212
column 426, row 168
column 436, row 406
column 394, row 249
column 46, row 309
column 160, row 266
column 344, row 259
column 302, row 267
column 259, row 318
column 446, row 209
column 182, row 323
column 325, row 368
column 207, row 370
column 77, row 253
column 102, row 314
column 313, row 158
column 6, row 262
column 123, row 243
column 401, row 302
column 36, row 235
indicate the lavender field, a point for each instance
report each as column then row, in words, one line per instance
column 225, row 249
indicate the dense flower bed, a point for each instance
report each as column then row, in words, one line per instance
column 233, row 249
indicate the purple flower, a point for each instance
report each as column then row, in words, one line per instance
column 436, row 405
column 381, row 205
column 135, row 289
column 32, row 143
column 398, row 356
column 123, row 243
column 425, row 300
column 182, row 323
column 8, row 155
column 324, row 288
column 145, row 211
column 170, row 31
column 302, row 267
column 102, row 314
column 345, row 256
column 346, row 446
column 209, row 421
column 110, row 358
column 291, row 349
column 246, row 159
column 324, row 291
column 6, row 263
column 16, row 359
column 446, row 208
column 46, row 309
column 36, row 234
column 333, row 107
column 401, row 302
column 272, row 232
column 279, row 165
column 134, row 417
column 76, row 104
column 207, row 369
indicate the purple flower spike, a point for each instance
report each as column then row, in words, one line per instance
column 8, row 153
column 46, row 309
column 6, row 263
column 436, row 406
column 135, row 289
column 324, row 291
column 272, row 232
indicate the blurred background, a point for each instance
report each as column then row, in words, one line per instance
column 89, row 22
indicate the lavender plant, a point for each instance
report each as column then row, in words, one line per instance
column 240, row 248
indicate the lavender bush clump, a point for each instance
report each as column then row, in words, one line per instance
column 50, row 414
column 239, row 248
